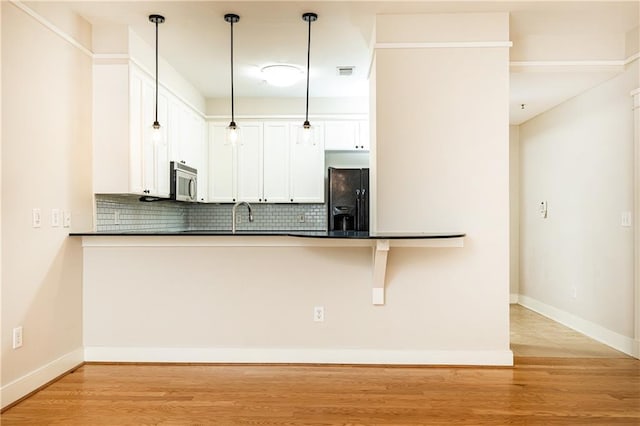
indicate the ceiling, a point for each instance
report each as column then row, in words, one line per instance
column 195, row 41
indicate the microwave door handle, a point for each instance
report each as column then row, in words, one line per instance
column 192, row 189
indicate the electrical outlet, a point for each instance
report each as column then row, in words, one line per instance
column 116, row 218
column 17, row 337
column 55, row 218
column 36, row 218
column 302, row 218
column 626, row 219
column 542, row 209
column 574, row 292
column 318, row 313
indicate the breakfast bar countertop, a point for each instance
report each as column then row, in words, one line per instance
column 302, row 234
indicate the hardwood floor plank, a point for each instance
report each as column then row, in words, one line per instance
column 545, row 391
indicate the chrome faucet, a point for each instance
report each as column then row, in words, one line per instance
column 233, row 214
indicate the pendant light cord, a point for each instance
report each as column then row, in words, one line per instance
column 156, row 73
column 232, row 105
column 308, row 59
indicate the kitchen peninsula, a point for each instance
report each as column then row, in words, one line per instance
column 210, row 296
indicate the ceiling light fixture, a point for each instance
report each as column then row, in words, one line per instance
column 307, row 130
column 156, row 134
column 233, row 131
column 281, row 75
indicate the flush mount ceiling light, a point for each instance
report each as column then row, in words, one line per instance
column 281, row 75
column 156, row 134
column 307, row 130
column 233, row 131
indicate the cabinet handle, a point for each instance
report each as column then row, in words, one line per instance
column 292, row 200
column 265, row 200
column 234, row 199
column 183, row 162
column 259, row 200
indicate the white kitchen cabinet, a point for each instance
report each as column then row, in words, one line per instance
column 276, row 153
column 249, row 171
column 125, row 158
column 364, row 135
column 346, row 135
column 306, row 171
column 187, row 141
column 222, row 182
column 267, row 165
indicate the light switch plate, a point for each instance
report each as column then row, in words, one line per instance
column 625, row 219
column 36, row 218
column 55, row 218
column 66, row 218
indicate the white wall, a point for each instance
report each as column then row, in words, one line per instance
column 46, row 158
column 514, row 212
column 440, row 161
column 579, row 158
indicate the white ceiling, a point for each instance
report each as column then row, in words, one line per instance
column 195, row 41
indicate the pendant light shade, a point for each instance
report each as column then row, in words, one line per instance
column 156, row 132
column 307, row 129
column 233, row 131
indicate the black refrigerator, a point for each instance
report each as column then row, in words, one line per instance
column 348, row 199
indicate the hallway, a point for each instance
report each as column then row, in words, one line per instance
column 534, row 335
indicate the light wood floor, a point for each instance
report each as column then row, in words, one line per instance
column 535, row 335
column 536, row 391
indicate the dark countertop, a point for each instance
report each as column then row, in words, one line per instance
column 303, row 234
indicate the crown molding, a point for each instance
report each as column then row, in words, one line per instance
column 50, row 26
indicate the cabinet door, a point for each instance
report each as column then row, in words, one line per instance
column 249, row 162
column 203, row 168
column 136, row 134
column 307, row 167
column 155, row 165
column 276, row 162
column 364, row 135
column 221, row 170
column 341, row 136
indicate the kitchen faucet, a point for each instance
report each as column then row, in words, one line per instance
column 233, row 214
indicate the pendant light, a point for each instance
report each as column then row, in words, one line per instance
column 233, row 131
column 156, row 133
column 307, row 130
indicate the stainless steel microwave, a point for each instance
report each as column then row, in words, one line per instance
column 184, row 182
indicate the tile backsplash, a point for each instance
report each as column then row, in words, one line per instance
column 135, row 215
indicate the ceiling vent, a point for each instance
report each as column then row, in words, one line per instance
column 345, row 71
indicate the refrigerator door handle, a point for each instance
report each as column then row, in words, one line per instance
column 356, row 225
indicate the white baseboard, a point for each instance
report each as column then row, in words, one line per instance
column 513, row 298
column 294, row 356
column 597, row 332
column 13, row 391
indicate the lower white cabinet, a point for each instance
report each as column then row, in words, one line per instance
column 267, row 165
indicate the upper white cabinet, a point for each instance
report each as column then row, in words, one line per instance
column 187, row 141
column 307, row 166
column 125, row 157
column 248, row 163
column 276, row 153
column 346, row 135
column 266, row 165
